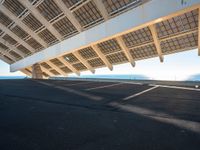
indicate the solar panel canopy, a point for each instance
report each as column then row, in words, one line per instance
column 28, row 27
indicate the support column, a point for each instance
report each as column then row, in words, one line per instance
column 37, row 71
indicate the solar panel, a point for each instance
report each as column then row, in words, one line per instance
column 88, row 53
column 109, row 46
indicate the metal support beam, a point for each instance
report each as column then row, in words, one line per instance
column 52, row 65
column 19, row 22
column 11, row 47
column 103, row 57
column 46, row 71
column 84, row 62
column 125, row 50
column 156, row 42
column 69, row 14
column 199, row 32
column 69, row 65
column 102, row 9
column 20, row 41
column 26, row 72
column 37, row 71
column 39, row 17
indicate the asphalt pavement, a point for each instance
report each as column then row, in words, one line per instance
column 97, row 115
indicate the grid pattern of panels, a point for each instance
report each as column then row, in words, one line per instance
column 87, row 53
column 4, row 19
column 109, row 46
column 97, row 62
column 19, row 32
column 114, row 6
column 47, row 36
column 49, row 9
column 117, row 58
column 137, row 37
column 70, row 3
column 9, row 39
column 144, row 52
column 14, row 54
column 8, row 58
column 70, row 58
column 183, row 42
column 65, row 27
column 79, row 66
column 88, row 14
column 14, row 6
column 56, row 62
column 177, row 24
column 23, row 49
column 34, row 44
column 32, row 22
column 45, row 65
column 54, row 72
column 65, row 69
column 3, row 47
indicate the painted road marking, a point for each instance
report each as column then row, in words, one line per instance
column 140, row 93
column 80, row 93
column 101, row 87
column 176, row 87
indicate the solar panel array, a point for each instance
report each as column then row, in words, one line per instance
column 178, row 33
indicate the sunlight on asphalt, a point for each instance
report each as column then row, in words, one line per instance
column 159, row 116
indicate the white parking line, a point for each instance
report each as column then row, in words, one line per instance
column 140, row 93
column 178, row 87
column 101, row 87
column 136, row 83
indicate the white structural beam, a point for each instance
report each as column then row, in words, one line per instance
column 102, row 9
column 69, row 14
column 67, row 64
column 39, row 17
column 199, row 32
column 20, row 41
column 103, row 57
column 84, row 62
column 11, row 47
column 52, row 65
column 22, row 25
column 125, row 50
column 78, row 5
column 156, row 42
column 144, row 15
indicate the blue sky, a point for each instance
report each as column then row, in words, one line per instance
column 177, row 66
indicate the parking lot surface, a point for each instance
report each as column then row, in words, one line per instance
column 97, row 115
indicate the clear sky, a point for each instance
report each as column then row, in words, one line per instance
column 177, row 66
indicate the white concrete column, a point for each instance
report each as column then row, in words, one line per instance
column 37, row 71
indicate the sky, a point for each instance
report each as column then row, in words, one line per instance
column 177, row 66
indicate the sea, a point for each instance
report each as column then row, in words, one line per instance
column 125, row 76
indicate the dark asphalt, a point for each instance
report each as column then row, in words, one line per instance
column 36, row 116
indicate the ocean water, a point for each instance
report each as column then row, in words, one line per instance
column 125, row 76
column 12, row 77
